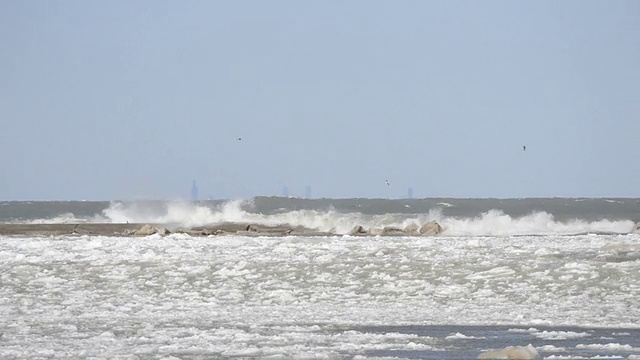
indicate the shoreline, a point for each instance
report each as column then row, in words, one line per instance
column 245, row 229
column 68, row 229
column 431, row 228
column 144, row 229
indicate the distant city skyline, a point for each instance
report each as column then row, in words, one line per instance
column 134, row 100
column 308, row 194
column 194, row 191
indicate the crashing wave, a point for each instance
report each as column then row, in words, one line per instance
column 490, row 223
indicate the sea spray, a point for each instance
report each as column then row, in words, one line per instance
column 497, row 223
column 490, row 223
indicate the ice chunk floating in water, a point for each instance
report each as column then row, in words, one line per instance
column 512, row 352
column 331, row 297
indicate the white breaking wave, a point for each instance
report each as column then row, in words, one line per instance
column 497, row 223
column 491, row 223
column 189, row 214
column 66, row 218
column 176, row 212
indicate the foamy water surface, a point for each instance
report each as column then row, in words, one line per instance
column 328, row 297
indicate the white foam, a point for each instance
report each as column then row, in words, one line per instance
column 529, row 330
column 174, row 212
column 560, row 335
column 94, row 296
column 551, row 348
column 66, row 218
column 459, row 336
column 491, row 223
column 608, row 347
column 496, row 223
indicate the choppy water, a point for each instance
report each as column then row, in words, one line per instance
column 460, row 217
column 572, row 297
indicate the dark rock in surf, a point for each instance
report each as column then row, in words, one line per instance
column 190, row 232
column 163, row 231
column 357, row 230
column 411, row 228
column 430, row 228
column 207, row 232
column 283, row 229
column 145, row 230
column 389, row 230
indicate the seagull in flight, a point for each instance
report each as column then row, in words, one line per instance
column 524, row 148
column 239, row 138
column 387, row 182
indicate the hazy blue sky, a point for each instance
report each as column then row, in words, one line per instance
column 135, row 99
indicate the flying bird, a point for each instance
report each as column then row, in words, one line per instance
column 239, row 138
column 524, row 148
column 387, row 182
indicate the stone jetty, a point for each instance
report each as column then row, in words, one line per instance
column 245, row 229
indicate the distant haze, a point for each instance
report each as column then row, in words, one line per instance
column 135, row 100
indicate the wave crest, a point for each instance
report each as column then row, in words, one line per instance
column 497, row 223
column 490, row 223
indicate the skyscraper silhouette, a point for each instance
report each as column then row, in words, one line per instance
column 194, row 191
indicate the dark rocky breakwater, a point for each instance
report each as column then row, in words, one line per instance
column 246, row 229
